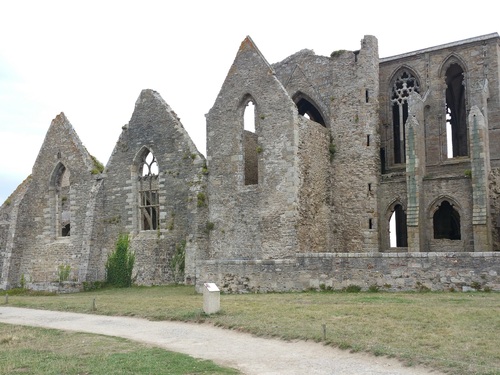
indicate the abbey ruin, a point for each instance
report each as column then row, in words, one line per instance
column 320, row 172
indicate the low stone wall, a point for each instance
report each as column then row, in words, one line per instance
column 385, row 271
column 55, row 287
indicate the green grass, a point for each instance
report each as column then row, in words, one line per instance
column 453, row 332
column 29, row 350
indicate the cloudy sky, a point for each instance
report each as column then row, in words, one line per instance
column 91, row 59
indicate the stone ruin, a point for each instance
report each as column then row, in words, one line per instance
column 321, row 172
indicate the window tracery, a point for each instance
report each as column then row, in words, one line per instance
column 148, row 192
column 404, row 84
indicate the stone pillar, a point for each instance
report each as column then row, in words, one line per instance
column 479, row 156
column 415, row 171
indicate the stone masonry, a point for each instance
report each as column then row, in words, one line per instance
column 376, row 172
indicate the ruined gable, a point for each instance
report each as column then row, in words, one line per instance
column 256, row 219
column 152, row 184
column 51, row 224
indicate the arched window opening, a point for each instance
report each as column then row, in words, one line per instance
column 404, row 84
column 148, row 192
column 63, row 201
column 149, row 165
column 446, row 222
column 456, row 127
column 250, row 145
column 398, row 232
column 249, row 117
column 308, row 110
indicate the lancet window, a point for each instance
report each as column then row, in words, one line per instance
column 149, row 205
column 456, row 127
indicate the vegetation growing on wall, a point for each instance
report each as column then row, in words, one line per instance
column 337, row 53
column 63, row 272
column 202, row 199
column 120, row 264
column 177, row 264
column 98, row 166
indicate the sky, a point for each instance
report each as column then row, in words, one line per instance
column 91, row 59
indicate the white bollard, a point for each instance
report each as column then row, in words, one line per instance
column 211, row 298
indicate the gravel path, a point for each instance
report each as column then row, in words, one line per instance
column 249, row 354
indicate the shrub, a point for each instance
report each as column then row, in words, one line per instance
column 204, row 169
column 476, row 285
column 98, row 167
column 352, row 289
column 93, row 285
column 120, row 264
column 337, row 53
column 374, row 288
column 332, row 149
column 23, row 282
column 202, row 199
column 178, row 262
column 422, row 288
column 209, row 226
column 63, row 272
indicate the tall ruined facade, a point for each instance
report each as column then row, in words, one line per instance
column 320, row 172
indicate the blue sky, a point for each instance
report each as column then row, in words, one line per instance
column 91, row 59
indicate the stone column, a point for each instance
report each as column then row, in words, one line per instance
column 415, row 171
column 479, row 157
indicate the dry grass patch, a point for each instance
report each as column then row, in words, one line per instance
column 455, row 332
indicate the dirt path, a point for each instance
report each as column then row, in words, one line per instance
column 249, row 354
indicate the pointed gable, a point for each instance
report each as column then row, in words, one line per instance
column 152, row 184
column 248, row 169
column 153, row 118
column 62, row 145
column 251, row 74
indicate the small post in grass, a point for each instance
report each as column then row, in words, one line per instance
column 94, row 307
column 211, row 298
column 324, row 331
column 6, row 298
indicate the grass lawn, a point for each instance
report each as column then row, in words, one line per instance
column 454, row 332
column 28, row 350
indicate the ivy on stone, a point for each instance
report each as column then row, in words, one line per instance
column 120, row 264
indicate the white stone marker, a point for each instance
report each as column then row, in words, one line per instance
column 211, row 298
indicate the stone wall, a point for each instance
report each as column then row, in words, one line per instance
column 385, row 271
column 303, row 200
column 252, row 221
column 445, row 177
column 9, row 259
column 313, row 230
column 38, row 247
column 179, row 178
column 344, row 89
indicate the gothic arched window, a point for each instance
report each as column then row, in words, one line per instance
column 149, row 205
column 446, row 222
column 308, row 109
column 398, row 232
column 456, row 126
column 250, row 143
column 61, row 185
column 404, row 84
